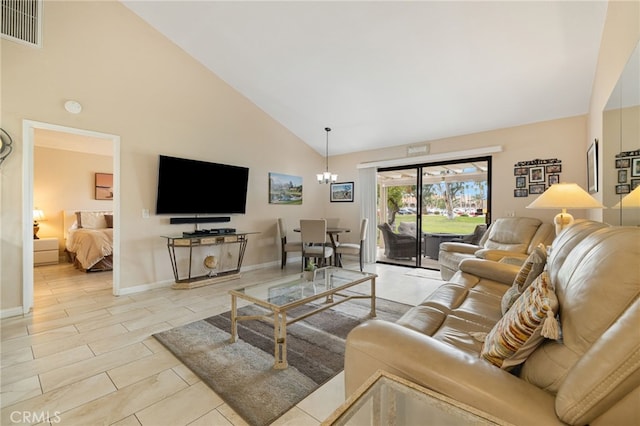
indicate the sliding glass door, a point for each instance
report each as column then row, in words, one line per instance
column 421, row 206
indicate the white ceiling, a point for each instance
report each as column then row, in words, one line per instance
column 392, row 73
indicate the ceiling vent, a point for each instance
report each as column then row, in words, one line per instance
column 21, row 21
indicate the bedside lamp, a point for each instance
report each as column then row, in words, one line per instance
column 565, row 196
column 37, row 215
column 629, row 201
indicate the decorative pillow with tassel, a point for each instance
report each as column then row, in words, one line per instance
column 530, row 320
column 530, row 270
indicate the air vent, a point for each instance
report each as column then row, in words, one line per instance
column 21, row 21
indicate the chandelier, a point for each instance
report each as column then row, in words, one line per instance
column 326, row 176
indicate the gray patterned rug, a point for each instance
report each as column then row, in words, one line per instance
column 242, row 373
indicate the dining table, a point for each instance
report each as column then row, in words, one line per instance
column 334, row 236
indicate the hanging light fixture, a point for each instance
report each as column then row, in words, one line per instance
column 327, row 176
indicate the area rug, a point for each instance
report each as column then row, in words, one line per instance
column 242, row 373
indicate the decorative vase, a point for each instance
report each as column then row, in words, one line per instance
column 309, row 275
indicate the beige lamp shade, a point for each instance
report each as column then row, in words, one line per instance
column 565, row 196
column 629, row 201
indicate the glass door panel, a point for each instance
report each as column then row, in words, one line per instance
column 398, row 226
column 427, row 204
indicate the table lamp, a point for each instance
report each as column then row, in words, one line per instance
column 629, row 201
column 565, row 196
column 37, row 215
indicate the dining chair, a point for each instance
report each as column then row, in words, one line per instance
column 352, row 248
column 285, row 246
column 314, row 239
column 332, row 222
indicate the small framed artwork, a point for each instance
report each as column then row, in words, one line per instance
column 341, row 192
column 635, row 183
column 285, row 189
column 553, row 168
column 592, row 168
column 623, row 189
column 520, row 193
column 104, row 186
column 536, row 189
column 622, row 176
column 623, row 163
column 521, row 171
column 552, row 179
column 635, row 167
column 536, row 174
column 521, row 182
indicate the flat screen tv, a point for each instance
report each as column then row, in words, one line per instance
column 200, row 187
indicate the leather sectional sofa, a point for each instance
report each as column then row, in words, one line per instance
column 589, row 375
column 513, row 237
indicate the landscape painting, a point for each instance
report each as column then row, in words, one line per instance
column 104, row 186
column 285, row 189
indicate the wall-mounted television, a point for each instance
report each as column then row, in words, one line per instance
column 199, row 187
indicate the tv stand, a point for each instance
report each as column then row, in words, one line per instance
column 191, row 241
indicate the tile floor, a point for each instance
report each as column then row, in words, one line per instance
column 86, row 357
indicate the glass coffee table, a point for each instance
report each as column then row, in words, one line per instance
column 386, row 399
column 282, row 295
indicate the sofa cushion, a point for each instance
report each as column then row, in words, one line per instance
column 523, row 328
column 529, row 271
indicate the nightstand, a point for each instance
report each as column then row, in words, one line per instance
column 45, row 251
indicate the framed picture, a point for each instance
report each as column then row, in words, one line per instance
column 521, row 171
column 104, row 186
column 592, row 168
column 520, row 193
column 635, row 167
column 285, row 189
column 623, row 163
column 635, row 183
column 623, row 189
column 341, row 192
column 536, row 189
column 622, row 176
column 536, row 174
column 553, row 168
column 521, row 182
column 552, row 179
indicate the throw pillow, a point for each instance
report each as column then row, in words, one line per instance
column 523, row 328
column 91, row 219
column 109, row 219
column 529, row 271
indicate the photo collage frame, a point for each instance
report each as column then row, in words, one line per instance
column 535, row 176
column 628, row 168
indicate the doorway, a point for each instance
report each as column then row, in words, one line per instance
column 29, row 140
column 423, row 205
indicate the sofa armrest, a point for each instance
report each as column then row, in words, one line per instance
column 496, row 255
column 381, row 345
column 459, row 247
column 495, row 271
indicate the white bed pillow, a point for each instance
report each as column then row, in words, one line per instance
column 92, row 219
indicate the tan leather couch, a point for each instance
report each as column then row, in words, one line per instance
column 513, row 237
column 590, row 376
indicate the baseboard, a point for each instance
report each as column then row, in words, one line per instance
column 162, row 284
column 11, row 312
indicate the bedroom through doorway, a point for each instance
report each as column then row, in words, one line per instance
column 55, row 190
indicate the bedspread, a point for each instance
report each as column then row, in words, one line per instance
column 90, row 245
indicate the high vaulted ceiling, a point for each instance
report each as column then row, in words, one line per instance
column 391, row 73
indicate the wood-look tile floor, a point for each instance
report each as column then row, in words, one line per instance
column 86, row 357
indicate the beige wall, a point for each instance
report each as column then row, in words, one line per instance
column 134, row 83
column 65, row 180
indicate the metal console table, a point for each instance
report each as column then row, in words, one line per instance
column 239, row 239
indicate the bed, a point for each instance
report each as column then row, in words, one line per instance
column 89, row 239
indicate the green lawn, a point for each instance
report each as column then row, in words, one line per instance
column 442, row 224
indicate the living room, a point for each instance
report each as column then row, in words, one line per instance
column 198, row 116
column 149, row 97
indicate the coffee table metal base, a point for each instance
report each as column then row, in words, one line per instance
column 280, row 320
